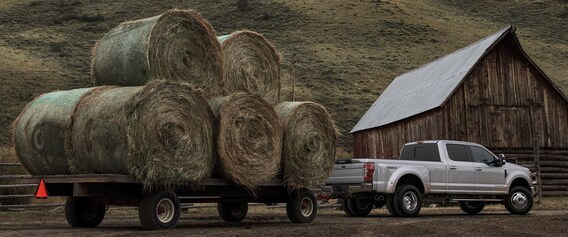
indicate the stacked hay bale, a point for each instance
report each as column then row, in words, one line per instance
column 249, row 140
column 251, row 65
column 160, row 133
column 178, row 45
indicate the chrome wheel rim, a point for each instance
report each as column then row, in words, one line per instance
column 165, row 210
column 519, row 200
column 306, row 207
column 410, row 200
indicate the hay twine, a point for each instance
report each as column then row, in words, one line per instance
column 179, row 45
column 251, row 65
column 308, row 152
column 249, row 142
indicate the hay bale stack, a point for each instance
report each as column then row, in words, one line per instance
column 39, row 132
column 249, row 141
column 160, row 133
column 251, row 64
column 178, row 45
column 308, row 152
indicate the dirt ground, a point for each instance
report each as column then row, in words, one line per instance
column 330, row 222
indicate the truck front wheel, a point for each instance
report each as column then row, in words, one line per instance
column 472, row 207
column 519, row 201
column 406, row 201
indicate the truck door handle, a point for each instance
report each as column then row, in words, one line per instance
column 453, row 167
column 478, row 168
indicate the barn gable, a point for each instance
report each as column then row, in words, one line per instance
column 431, row 85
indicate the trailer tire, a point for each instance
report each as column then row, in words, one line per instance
column 83, row 212
column 160, row 210
column 232, row 211
column 301, row 206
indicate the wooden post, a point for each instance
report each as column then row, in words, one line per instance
column 536, row 154
column 294, row 77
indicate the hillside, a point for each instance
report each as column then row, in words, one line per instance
column 346, row 52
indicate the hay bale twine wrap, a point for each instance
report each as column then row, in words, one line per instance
column 178, row 45
column 40, row 130
column 251, row 64
column 308, row 152
column 160, row 133
column 249, row 142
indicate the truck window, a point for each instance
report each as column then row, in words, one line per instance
column 481, row 155
column 421, row 152
column 457, row 152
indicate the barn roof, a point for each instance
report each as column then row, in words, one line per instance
column 427, row 87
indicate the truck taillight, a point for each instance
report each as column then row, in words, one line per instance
column 369, row 171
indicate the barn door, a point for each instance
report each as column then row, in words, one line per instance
column 506, row 126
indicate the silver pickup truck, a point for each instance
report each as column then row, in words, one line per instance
column 437, row 171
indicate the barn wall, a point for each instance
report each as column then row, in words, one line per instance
column 386, row 141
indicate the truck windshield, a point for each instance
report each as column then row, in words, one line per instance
column 421, row 152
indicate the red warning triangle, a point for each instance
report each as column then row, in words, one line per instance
column 41, row 191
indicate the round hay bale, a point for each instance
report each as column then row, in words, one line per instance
column 251, row 65
column 178, row 45
column 308, row 151
column 249, row 142
column 40, row 130
column 160, row 133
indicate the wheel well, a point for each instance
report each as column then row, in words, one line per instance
column 520, row 182
column 411, row 179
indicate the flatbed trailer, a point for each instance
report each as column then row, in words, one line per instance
column 90, row 195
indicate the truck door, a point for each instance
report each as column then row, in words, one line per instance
column 488, row 177
column 461, row 176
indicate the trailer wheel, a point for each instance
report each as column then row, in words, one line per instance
column 302, row 206
column 159, row 210
column 232, row 211
column 83, row 212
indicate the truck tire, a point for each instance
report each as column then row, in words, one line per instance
column 407, row 200
column 82, row 212
column 359, row 207
column 346, row 208
column 301, row 206
column 160, row 210
column 232, row 211
column 519, row 201
column 390, row 205
column 471, row 207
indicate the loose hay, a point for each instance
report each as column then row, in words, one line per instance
column 160, row 133
column 249, row 142
column 251, row 65
column 178, row 45
column 39, row 132
column 308, row 152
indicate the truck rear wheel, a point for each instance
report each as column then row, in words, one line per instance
column 391, row 206
column 519, row 201
column 357, row 206
column 159, row 210
column 232, row 211
column 472, row 207
column 301, row 206
column 83, row 212
column 407, row 200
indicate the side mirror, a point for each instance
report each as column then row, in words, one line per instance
column 502, row 159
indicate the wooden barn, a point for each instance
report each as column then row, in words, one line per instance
column 489, row 92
